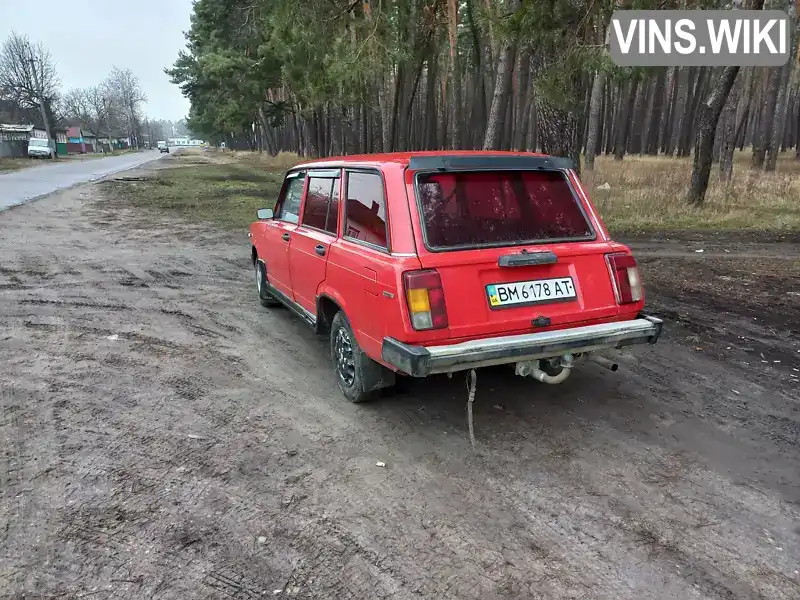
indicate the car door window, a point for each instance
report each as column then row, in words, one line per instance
column 365, row 209
column 332, row 218
column 322, row 204
column 289, row 208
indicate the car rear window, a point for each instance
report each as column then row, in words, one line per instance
column 493, row 208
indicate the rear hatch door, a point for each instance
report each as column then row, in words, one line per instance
column 515, row 251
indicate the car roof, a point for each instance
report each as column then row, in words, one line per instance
column 403, row 158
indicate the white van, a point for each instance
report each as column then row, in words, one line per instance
column 39, row 148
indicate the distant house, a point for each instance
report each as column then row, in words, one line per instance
column 104, row 144
column 75, row 143
column 184, row 141
column 60, row 134
column 89, row 140
column 80, row 141
column 14, row 139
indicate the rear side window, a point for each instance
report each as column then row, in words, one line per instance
column 322, row 204
column 365, row 209
column 493, row 208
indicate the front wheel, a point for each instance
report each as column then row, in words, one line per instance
column 359, row 377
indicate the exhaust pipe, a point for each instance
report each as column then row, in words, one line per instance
column 531, row 369
column 540, row 375
column 604, row 362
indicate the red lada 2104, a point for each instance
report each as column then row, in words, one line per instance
column 436, row 262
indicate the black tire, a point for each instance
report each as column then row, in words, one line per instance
column 360, row 379
column 264, row 296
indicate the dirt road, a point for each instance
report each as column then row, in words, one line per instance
column 163, row 436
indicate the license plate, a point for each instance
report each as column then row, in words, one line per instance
column 530, row 292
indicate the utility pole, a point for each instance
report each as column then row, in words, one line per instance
column 50, row 141
column 108, row 125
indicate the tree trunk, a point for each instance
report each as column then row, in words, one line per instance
column 694, row 97
column 667, row 145
column 496, row 122
column 409, row 112
column 602, row 129
column 637, row 119
column 779, row 122
column 704, row 145
column 455, row 75
column 490, row 57
column 763, row 133
column 626, row 105
column 525, row 128
column 729, row 131
column 395, row 114
column 797, row 124
column 656, row 112
column 595, row 114
column 384, row 111
column 609, row 119
column 479, row 112
column 744, row 114
column 430, row 100
column 593, row 128
column 520, row 123
column 533, row 132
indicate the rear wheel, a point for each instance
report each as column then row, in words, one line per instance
column 264, row 296
column 359, row 377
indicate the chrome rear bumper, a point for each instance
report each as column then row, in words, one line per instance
column 420, row 361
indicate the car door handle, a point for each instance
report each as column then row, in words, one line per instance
column 286, row 237
column 320, row 249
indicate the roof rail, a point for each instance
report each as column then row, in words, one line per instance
column 499, row 162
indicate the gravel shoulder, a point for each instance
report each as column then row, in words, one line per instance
column 164, row 436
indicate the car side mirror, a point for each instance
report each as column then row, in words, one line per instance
column 265, row 213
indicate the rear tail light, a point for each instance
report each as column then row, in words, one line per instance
column 425, row 299
column 625, row 273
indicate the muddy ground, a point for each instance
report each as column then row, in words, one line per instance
column 164, row 436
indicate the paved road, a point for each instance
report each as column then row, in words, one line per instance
column 20, row 186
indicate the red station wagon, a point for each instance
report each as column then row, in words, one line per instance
column 435, row 262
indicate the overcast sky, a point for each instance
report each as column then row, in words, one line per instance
column 89, row 37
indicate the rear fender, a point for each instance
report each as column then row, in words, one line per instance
column 364, row 341
column 325, row 291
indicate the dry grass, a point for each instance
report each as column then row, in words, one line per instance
column 250, row 160
column 647, row 194
column 16, row 164
column 225, row 188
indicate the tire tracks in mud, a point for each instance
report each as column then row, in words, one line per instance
column 205, row 452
